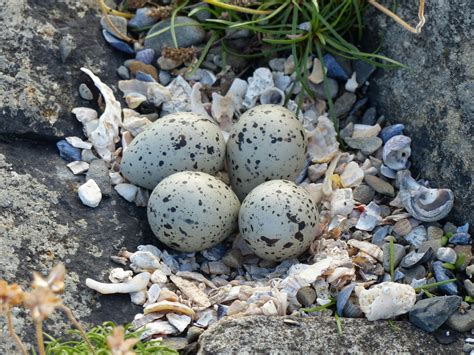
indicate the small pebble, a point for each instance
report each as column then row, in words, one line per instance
column 306, row 296
column 90, row 194
column 461, row 322
column 119, row 22
column 277, row 64
column 433, row 244
column 319, row 92
column 344, row 103
column 145, row 56
column 194, row 333
column 68, row 152
column 391, row 131
column 466, row 251
column 448, row 255
column 470, row 270
column 445, row 336
column 99, row 172
column 469, row 286
column 430, row 313
column 365, row 145
column 370, row 116
column 176, row 343
column 363, row 194
column 123, row 72
column 233, row 259
column 398, row 254
column 379, row 185
column 316, row 171
column 85, row 92
column 450, row 228
column 167, row 63
column 65, row 48
column 363, row 70
column 334, row 69
column 164, row 77
column 434, row 232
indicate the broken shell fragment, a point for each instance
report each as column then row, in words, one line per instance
column 370, row 218
column 138, row 283
column 118, row 275
column 424, row 204
column 191, row 291
column 261, row 80
column 368, row 248
column 167, row 306
column 179, row 321
column 352, row 175
column 396, row 152
column 342, row 202
column 386, row 300
column 323, row 144
column 272, row 96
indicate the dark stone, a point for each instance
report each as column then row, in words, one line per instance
column 316, row 335
column 99, row 172
column 398, row 254
column 413, row 258
column 46, row 223
column 363, row 194
column 370, row 116
column 318, row 90
column 418, row 272
column 430, row 313
column 363, row 71
column 39, row 90
column 344, row 103
column 67, row 151
column 445, row 336
column 433, row 95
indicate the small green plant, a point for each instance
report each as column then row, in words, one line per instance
column 107, row 339
column 392, row 261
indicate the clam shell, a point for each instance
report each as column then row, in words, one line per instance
column 352, row 310
column 117, row 43
column 272, row 96
column 343, row 296
column 396, row 152
column 167, row 306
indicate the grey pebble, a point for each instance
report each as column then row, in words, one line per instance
column 306, row 296
column 194, row 333
column 85, row 92
column 347, row 131
column 119, row 22
column 233, row 259
column 277, row 64
column 363, row 194
column 448, row 255
column 123, row 72
column 429, row 314
column 469, row 286
column 434, row 232
column 344, row 103
column 379, row 185
column 417, row 273
column 318, row 90
column 366, row 145
column 363, row 71
column 461, row 322
column 398, row 254
column 450, row 228
column 434, row 244
column 99, row 172
column 65, row 48
column 370, row 116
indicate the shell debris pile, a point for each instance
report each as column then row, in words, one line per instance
column 257, row 208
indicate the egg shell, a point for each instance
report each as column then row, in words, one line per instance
column 182, row 141
column 278, row 220
column 267, row 143
column 192, row 211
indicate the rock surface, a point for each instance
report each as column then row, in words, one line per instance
column 433, row 98
column 42, row 223
column 315, row 335
column 38, row 90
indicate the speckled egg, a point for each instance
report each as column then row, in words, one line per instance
column 182, row 141
column 192, row 211
column 267, row 143
column 278, row 220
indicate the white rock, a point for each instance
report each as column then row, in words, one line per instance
column 351, row 83
column 368, row 248
column 138, row 283
column 386, row 300
column 78, row 167
column 78, row 143
column 352, row 175
column 158, row 327
column 366, row 131
column 118, row 275
column 85, row 114
column 138, row 298
column 144, row 260
column 89, row 193
column 116, row 178
column 135, row 124
column 159, row 277
column 180, row 97
column 447, row 255
column 154, row 92
column 127, row 191
column 196, row 101
column 269, row 309
column 134, row 99
column 342, row 202
column 179, row 321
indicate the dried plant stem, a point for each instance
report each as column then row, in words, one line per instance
column 15, row 337
column 39, row 337
column 114, row 12
column 74, row 321
column 106, row 11
column 396, row 18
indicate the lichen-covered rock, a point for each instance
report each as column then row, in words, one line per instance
column 433, row 98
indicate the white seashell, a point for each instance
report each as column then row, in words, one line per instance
column 317, row 74
column 269, row 308
column 396, row 152
column 323, row 144
column 169, row 307
column 366, row 131
column 342, row 202
column 144, row 260
column 386, row 300
column 105, row 135
column 134, row 99
column 158, row 327
column 153, row 91
column 352, row 175
column 370, row 217
column 196, row 101
column 116, row 178
column 78, row 143
column 152, row 294
column 272, row 96
column 180, row 100
column 427, row 205
column 78, row 167
column 85, row 114
column 118, row 275
column 138, row 298
column 135, row 124
column 179, row 321
column 351, row 83
column 159, row 277
column 387, row 172
column 127, row 191
column 140, row 319
column 89, row 193
column 191, row 291
column 261, row 80
column 127, row 139
column 139, row 282
column 341, row 272
column 317, row 171
column 281, row 81
column 368, row 248
column 197, row 277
